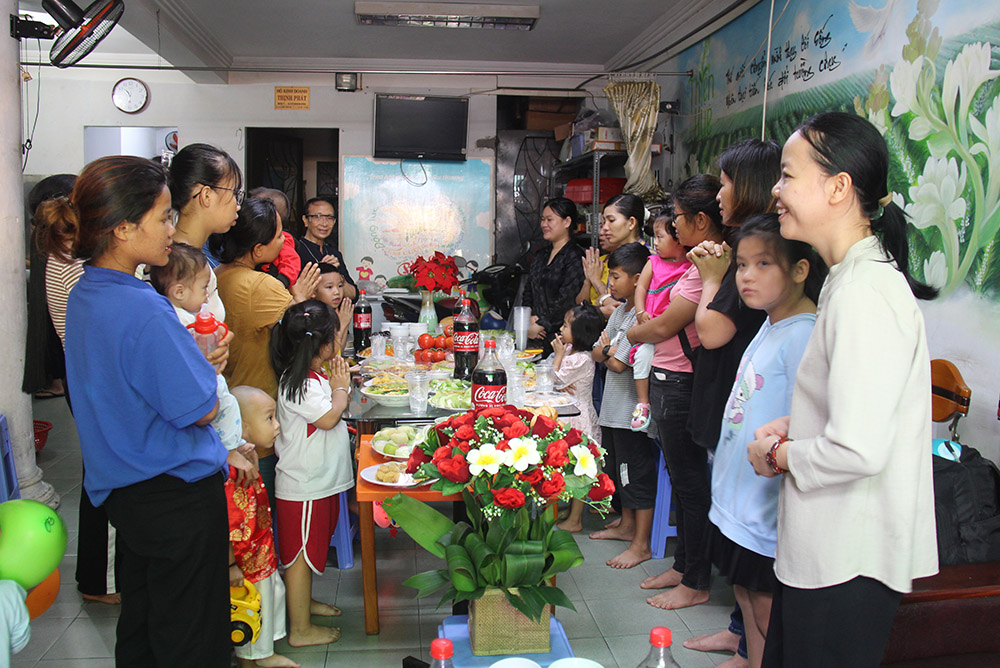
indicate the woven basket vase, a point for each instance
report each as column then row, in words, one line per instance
column 496, row 627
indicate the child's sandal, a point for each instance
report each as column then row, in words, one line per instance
column 640, row 417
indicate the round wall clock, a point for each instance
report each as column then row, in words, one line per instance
column 130, row 95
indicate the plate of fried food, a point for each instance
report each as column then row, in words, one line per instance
column 390, row 474
column 387, row 389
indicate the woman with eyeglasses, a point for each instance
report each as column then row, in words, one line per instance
column 206, row 189
column 313, row 246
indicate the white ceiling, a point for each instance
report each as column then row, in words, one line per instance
column 580, row 35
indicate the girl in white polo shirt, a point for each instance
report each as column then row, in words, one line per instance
column 856, row 509
column 314, row 458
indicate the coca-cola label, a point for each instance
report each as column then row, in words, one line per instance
column 362, row 321
column 466, row 342
column 484, row 396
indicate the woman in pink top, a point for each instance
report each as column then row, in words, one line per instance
column 696, row 219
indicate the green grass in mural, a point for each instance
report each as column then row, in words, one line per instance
column 945, row 153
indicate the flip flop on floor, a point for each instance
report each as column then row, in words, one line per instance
column 48, row 394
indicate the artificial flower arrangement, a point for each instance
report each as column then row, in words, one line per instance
column 509, row 465
column 439, row 272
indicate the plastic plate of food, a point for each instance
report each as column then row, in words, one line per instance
column 387, row 392
column 397, row 442
column 451, row 395
column 553, row 399
column 391, row 474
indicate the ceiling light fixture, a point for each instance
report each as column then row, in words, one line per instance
column 446, row 15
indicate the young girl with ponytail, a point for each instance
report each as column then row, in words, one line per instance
column 856, row 512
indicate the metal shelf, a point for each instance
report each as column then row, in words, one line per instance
column 591, row 162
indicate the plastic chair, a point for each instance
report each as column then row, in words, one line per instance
column 662, row 529
column 344, row 535
column 949, row 395
column 9, row 488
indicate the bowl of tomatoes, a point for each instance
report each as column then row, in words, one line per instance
column 431, row 349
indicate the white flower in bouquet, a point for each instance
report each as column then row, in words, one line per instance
column 586, row 464
column 522, row 454
column 485, row 458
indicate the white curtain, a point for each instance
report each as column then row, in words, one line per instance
column 637, row 103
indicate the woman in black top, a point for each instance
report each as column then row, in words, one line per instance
column 556, row 273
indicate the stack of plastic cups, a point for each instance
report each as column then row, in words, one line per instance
column 522, row 321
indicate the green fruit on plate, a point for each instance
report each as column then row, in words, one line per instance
column 389, row 448
column 399, row 438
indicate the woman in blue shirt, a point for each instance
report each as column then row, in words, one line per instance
column 143, row 396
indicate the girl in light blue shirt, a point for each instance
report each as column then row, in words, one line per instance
column 782, row 278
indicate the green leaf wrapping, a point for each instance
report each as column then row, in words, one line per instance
column 563, row 553
column 554, row 596
column 460, row 568
column 429, row 582
column 483, row 556
column 523, row 563
column 424, row 524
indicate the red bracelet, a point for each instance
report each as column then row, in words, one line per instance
column 772, row 457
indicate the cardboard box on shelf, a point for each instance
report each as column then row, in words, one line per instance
column 618, row 146
column 607, row 134
column 563, row 131
column 546, row 120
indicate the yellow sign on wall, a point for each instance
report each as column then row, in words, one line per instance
column 291, row 97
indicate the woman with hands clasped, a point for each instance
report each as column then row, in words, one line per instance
column 621, row 223
column 856, row 511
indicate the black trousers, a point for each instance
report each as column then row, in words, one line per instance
column 687, row 464
column 96, row 567
column 172, row 544
column 832, row 627
column 630, row 460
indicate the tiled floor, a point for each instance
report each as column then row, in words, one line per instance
column 611, row 623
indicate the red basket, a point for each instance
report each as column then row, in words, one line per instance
column 42, row 429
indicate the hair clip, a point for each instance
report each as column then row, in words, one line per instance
column 309, row 333
column 65, row 198
column 166, row 157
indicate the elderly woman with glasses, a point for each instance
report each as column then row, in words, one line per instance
column 315, row 245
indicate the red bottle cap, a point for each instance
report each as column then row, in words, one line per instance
column 205, row 322
column 660, row 636
column 441, row 649
column 466, row 302
column 489, row 343
column 362, row 292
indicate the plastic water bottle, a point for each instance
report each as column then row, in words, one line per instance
column 207, row 332
column 659, row 655
column 442, row 652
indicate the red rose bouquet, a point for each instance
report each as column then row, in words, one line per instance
column 509, row 465
column 439, row 272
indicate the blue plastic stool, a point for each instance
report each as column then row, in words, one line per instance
column 9, row 488
column 343, row 536
column 662, row 529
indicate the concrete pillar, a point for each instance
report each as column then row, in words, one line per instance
column 15, row 404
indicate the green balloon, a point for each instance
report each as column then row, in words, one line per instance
column 32, row 541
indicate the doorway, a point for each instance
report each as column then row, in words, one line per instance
column 301, row 162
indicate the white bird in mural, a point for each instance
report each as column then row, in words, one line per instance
column 873, row 20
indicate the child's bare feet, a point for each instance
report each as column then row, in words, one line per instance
column 313, row 635
column 107, row 599
column 615, row 533
column 678, row 597
column 321, row 609
column 735, row 661
column 633, row 556
column 723, row 641
column 666, row 579
column 273, row 661
column 572, row 527
column 613, row 523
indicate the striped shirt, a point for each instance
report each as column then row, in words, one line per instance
column 620, row 396
column 60, row 277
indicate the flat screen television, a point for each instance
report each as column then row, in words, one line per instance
column 421, row 127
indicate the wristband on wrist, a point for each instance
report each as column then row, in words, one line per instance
column 606, row 351
column 600, row 302
column 342, row 389
column 772, row 456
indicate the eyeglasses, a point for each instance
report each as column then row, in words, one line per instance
column 238, row 194
column 320, row 217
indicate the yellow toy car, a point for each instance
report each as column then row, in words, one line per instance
column 244, row 606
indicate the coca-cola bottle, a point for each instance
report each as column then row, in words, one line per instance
column 362, row 324
column 466, row 342
column 489, row 380
column 458, row 304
